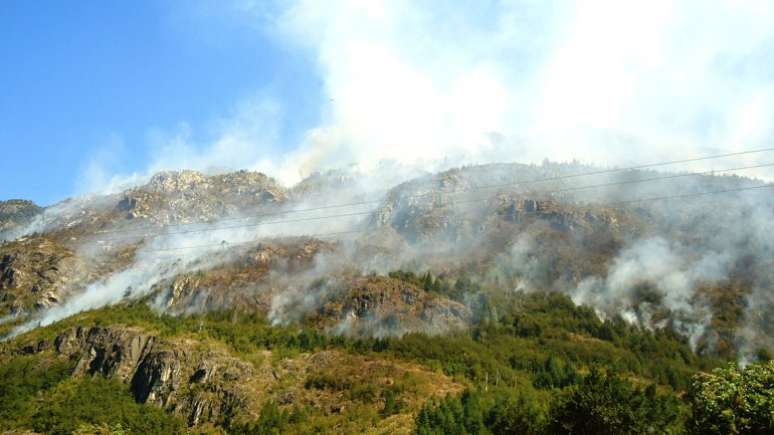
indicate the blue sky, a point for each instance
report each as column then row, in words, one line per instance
column 96, row 96
column 77, row 76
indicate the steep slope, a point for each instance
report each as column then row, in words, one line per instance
column 245, row 281
column 17, row 212
column 205, row 381
column 199, row 242
column 383, row 307
column 190, row 196
column 34, row 273
column 82, row 241
column 657, row 248
column 174, row 197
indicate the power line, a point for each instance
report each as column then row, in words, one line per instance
column 231, row 227
column 637, row 181
column 517, row 183
column 230, row 245
column 316, row 218
column 691, row 195
column 631, row 168
column 659, row 198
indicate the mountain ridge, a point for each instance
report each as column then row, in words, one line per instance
column 491, row 261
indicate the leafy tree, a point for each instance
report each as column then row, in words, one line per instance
column 540, row 340
column 607, row 404
column 731, row 400
column 520, row 413
column 21, row 379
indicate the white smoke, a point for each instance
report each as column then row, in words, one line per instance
column 423, row 83
column 757, row 332
column 430, row 85
column 184, row 249
column 522, row 265
column 605, row 81
column 670, row 271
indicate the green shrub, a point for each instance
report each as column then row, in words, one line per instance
column 96, row 401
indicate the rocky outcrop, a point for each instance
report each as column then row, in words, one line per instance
column 322, row 183
column 564, row 217
column 109, row 352
column 459, row 204
column 197, row 383
column 204, row 383
column 387, row 307
column 427, row 207
column 530, row 226
column 190, row 196
column 240, row 281
column 17, row 212
column 36, row 273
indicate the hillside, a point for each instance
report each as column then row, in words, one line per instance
column 492, row 296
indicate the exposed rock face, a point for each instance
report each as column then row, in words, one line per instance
column 426, row 207
column 198, row 384
column 203, row 382
column 384, row 307
column 36, row 273
column 17, row 212
column 334, row 180
column 176, row 182
column 242, row 281
column 459, row 204
column 172, row 197
column 190, row 196
column 109, row 352
column 563, row 217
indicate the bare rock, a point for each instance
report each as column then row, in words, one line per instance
column 200, row 385
column 17, row 212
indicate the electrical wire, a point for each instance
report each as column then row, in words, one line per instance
column 517, row 183
column 319, row 235
column 344, row 215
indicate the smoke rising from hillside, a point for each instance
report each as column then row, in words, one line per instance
column 411, row 88
column 166, row 252
column 656, row 264
column 436, row 84
column 668, row 272
column 607, row 82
